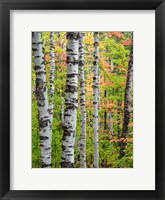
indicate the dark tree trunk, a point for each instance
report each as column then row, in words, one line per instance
column 127, row 105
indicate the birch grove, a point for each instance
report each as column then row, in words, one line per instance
column 42, row 100
column 82, row 99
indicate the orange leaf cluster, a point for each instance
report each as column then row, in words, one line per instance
column 129, row 140
column 127, row 42
column 122, row 83
column 47, row 57
column 130, row 125
column 117, row 34
column 107, row 83
column 107, row 105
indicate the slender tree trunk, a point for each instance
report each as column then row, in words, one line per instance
column 110, row 114
column 62, row 110
column 70, row 116
column 42, row 100
column 51, row 79
column 60, row 71
column 118, row 117
column 96, row 99
column 99, row 85
column 127, row 105
column 105, row 113
column 105, row 95
column 82, row 103
column 110, row 124
column 119, row 102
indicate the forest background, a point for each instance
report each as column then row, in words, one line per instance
column 115, row 110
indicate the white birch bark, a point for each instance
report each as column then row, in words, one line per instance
column 127, row 105
column 51, row 79
column 42, row 100
column 82, row 103
column 96, row 100
column 71, row 102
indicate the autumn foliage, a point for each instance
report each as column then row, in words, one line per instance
column 114, row 53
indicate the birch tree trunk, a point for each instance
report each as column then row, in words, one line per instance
column 127, row 105
column 96, row 100
column 42, row 100
column 70, row 116
column 51, row 79
column 82, row 103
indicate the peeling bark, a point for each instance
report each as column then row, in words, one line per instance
column 42, row 101
column 71, row 101
column 96, row 99
column 127, row 105
column 82, row 103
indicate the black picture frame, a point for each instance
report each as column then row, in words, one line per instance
column 5, row 7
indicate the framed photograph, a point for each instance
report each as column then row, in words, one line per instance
column 82, row 99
